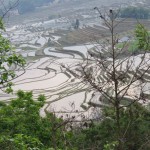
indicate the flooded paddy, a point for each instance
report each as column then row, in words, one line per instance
column 48, row 45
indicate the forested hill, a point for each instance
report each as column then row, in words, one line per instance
column 24, row 6
column 29, row 5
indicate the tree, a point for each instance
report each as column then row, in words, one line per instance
column 135, row 12
column 143, row 37
column 19, row 141
column 8, row 60
column 119, row 77
column 22, row 127
column 77, row 24
column 17, row 119
column 102, row 135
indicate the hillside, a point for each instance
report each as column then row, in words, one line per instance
column 73, row 76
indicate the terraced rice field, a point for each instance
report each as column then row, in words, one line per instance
column 44, row 72
column 48, row 56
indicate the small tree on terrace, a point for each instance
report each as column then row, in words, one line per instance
column 143, row 37
column 120, row 78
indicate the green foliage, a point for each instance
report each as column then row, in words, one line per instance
column 8, row 59
column 143, row 37
column 135, row 131
column 20, row 142
column 18, row 119
column 141, row 41
column 111, row 146
column 133, row 47
column 134, row 126
column 135, row 12
column 1, row 24
column 22, row 127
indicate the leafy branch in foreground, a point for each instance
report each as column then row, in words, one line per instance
column 9, row 62
column 22, row 127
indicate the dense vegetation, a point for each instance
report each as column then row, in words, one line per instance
column 135, row 12
column 22, row 128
